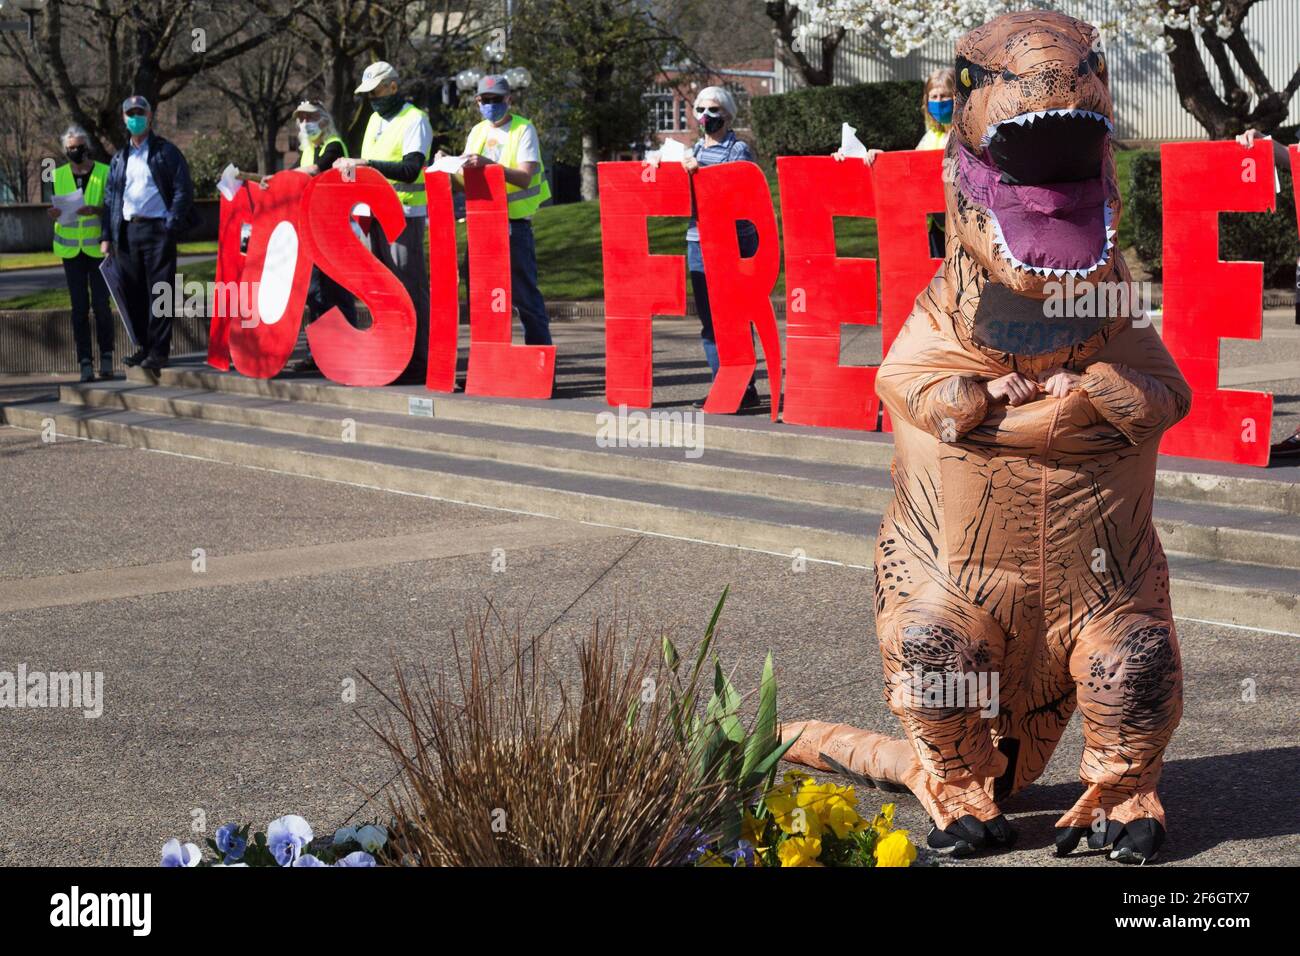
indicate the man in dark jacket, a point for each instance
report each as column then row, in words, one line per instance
column 149, row 200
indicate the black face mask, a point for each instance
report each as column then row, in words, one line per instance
column 76, row 153
column 712, row 124
column 387, row 106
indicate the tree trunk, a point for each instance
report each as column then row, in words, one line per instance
column 590, row 156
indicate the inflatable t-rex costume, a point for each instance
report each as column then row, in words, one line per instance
column 1019, row 541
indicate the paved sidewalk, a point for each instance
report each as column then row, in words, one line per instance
column 222, row 690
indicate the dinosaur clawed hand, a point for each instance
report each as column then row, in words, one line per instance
column 1137, row 841
column 969, row 834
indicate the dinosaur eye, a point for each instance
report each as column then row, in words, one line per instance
column 965, row 77
column 970, row 75
column 1099, row 63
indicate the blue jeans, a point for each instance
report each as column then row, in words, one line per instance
column 524, row 292
column 700, row 289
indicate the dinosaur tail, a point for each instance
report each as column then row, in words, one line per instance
column 869, row 758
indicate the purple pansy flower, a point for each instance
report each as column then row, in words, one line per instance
column 174, row 854
column 230, row 843
column 286, row 837
column 308, row 860
column 359, row 858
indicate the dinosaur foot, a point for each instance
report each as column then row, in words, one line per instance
column 1137, row 841
column 969, row 834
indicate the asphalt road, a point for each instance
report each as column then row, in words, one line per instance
column 223, row 689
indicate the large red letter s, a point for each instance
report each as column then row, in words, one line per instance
column 377, row 355
column 1206, row 299
column 638, row 285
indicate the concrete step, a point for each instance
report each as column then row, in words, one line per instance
column 1231, row 534
column 1205, row 588
column 846, row 486
column 1181, row 479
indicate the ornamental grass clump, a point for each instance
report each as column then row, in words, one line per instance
column 503, row 763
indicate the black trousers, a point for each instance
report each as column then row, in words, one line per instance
column 146, row 257
column 87, row 290
column 324, row 294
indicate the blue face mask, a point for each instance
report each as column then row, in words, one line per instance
column 137, row 124
column 493, row 112
column 940, row 110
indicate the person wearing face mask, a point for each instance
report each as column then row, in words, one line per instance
column 149, row 199
column 936, row 109
column 78, row 247
column 319, row 148
column 509, row 140
column 397, row 141
column 715, row 112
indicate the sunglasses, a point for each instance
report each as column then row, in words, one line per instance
column 490, row 98
column 708, row 111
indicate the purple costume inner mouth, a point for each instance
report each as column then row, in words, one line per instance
column 1045, row 190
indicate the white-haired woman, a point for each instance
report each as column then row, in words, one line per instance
column 319, row 147
column 715, row 112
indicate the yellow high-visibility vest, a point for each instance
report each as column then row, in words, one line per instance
column 308, row 157
column 85, row 235
column 387, row 147
column 522, row 201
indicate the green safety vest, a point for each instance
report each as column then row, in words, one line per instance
column 522, row 201
column 85, row 235
column 387, row 147
column 308, row 157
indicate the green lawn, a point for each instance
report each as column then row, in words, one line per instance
column 568, row 247
column 38, row 260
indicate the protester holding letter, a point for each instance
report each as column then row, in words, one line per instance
column 78, row 245
column 511, row 141
column 936, row 110
column 397, row 141
column 319, row 147
column 715, row 112
column 149, row 200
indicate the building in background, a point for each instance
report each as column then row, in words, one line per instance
column 1147, row 108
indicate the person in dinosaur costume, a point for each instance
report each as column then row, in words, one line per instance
column 1019, row 542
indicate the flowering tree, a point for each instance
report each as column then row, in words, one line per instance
column 1171, row 27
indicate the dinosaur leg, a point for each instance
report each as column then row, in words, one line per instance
column 1129, row 676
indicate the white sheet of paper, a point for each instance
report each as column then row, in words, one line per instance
column 850, row 146
column 672, row 151
column 67, row 205
column 448, row 164
column 229, row 183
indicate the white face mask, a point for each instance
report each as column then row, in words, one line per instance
column 312, row 130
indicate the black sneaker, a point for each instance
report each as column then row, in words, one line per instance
column 105, row 365
column 154, row 363
column 135, row 358
column 87, row 372
column 750, row 399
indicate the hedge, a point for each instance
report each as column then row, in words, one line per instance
column 807, row 122
column 1269, row 237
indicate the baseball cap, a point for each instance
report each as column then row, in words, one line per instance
column 497, row 85
column 376, row 73
column 308, row 107
column 136, row 102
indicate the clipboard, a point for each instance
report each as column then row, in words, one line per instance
column 113, row 279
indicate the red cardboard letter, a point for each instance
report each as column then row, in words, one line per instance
column 740, row 290
column 823, row 292
column 235, row 214
column 909, row 185
column 638, row 285
column 497, row 367
column 279, row 265
column 444, row 285
column 1206, row 299
column 377, row 355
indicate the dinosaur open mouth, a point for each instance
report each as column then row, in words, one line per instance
column 1039, row 175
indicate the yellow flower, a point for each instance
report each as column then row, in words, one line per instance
column 800, row 851
column 792, row 812
column 711, row 858
column 793, row 776
column 895, row 849
column 884, row 821
column 751, row 828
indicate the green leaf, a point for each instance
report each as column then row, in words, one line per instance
column 671, row 657
column 763, row 737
